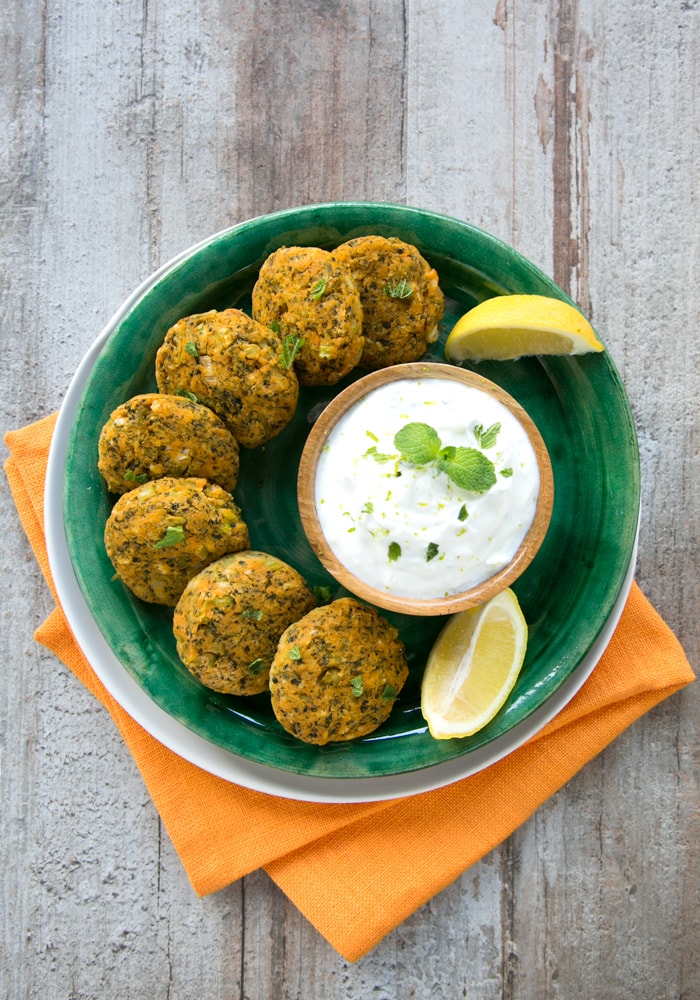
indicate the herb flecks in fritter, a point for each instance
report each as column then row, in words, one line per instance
column 230, row 618
column 155, row 435
column 402, row 302
column 232, row 364
column 159, row 535
column 332, row 671
column 312, row 300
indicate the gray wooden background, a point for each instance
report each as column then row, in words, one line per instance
column 569, row 128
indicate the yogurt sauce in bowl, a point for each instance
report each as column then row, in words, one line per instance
column 424, row 486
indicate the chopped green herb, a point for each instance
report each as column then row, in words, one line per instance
column 291, row 345
column 356, row 685
column 322, row 594
column 394, row 551
column 399, row 290
column 371, row 435
column 186, row 395
column 486, row 438
column 174, row 534
column 506, row 473
column 389, row 693
column 368, row 508
column 295, row 653
column 431, row 551
column 418, row 443
column 131, row 477
column 319, row 289
column 463, row 513
column 275, row 326
column 252, row 614
column 257, row 666
column 191, row 348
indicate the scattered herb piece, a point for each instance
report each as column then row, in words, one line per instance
column 322, row 594
column 486, row 438
column 257, row 666
column 174, row 534
column 295, row 653
column 507, row 473
column 186, row 395
column 252, row 614
column 319, row 289
column 356, row 685
column 275, row 326
column 431, row 551
column 463, row 513
column 394, row 551
column 291, row 345
column 368, row 508
column 191, row 348
column 399, row 290
column 371, row 435
column 389, row 693
column 131, row 477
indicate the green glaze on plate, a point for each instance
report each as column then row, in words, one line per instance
column 568, row 592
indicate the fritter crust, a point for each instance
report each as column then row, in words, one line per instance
column 230, row 617
column 233, row 365
column 337, row 672
column 155, row 435
column 402, row 302
column 159, row 535
column 313, row 300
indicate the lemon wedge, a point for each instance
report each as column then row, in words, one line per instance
column 473, row 666
column 513, row 326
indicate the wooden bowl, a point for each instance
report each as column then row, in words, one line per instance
column 367, row 590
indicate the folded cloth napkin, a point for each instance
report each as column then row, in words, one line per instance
column 356, row 871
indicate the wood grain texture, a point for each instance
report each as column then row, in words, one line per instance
column 570, row 130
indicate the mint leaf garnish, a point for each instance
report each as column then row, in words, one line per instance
column 468, row 468
column 418, row 443
column 486, row 438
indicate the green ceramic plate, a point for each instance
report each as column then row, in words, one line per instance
column 568, row 592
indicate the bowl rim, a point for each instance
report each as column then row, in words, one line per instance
column 306, row 487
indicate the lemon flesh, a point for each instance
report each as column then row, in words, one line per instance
column 514, row 326
column 473, row 667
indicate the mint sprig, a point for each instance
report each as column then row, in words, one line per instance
column 468, row 468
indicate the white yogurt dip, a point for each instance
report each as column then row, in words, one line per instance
column 410, row 530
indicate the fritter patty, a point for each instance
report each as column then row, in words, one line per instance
column 337, row 672
column 163, row 533
column 156, row 435
column 230, row 618
column 402, row 302
column 233, row 365
column 313, row 301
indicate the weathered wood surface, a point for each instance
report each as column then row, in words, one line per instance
column 568, row 128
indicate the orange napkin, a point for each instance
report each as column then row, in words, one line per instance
column 357, row 871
